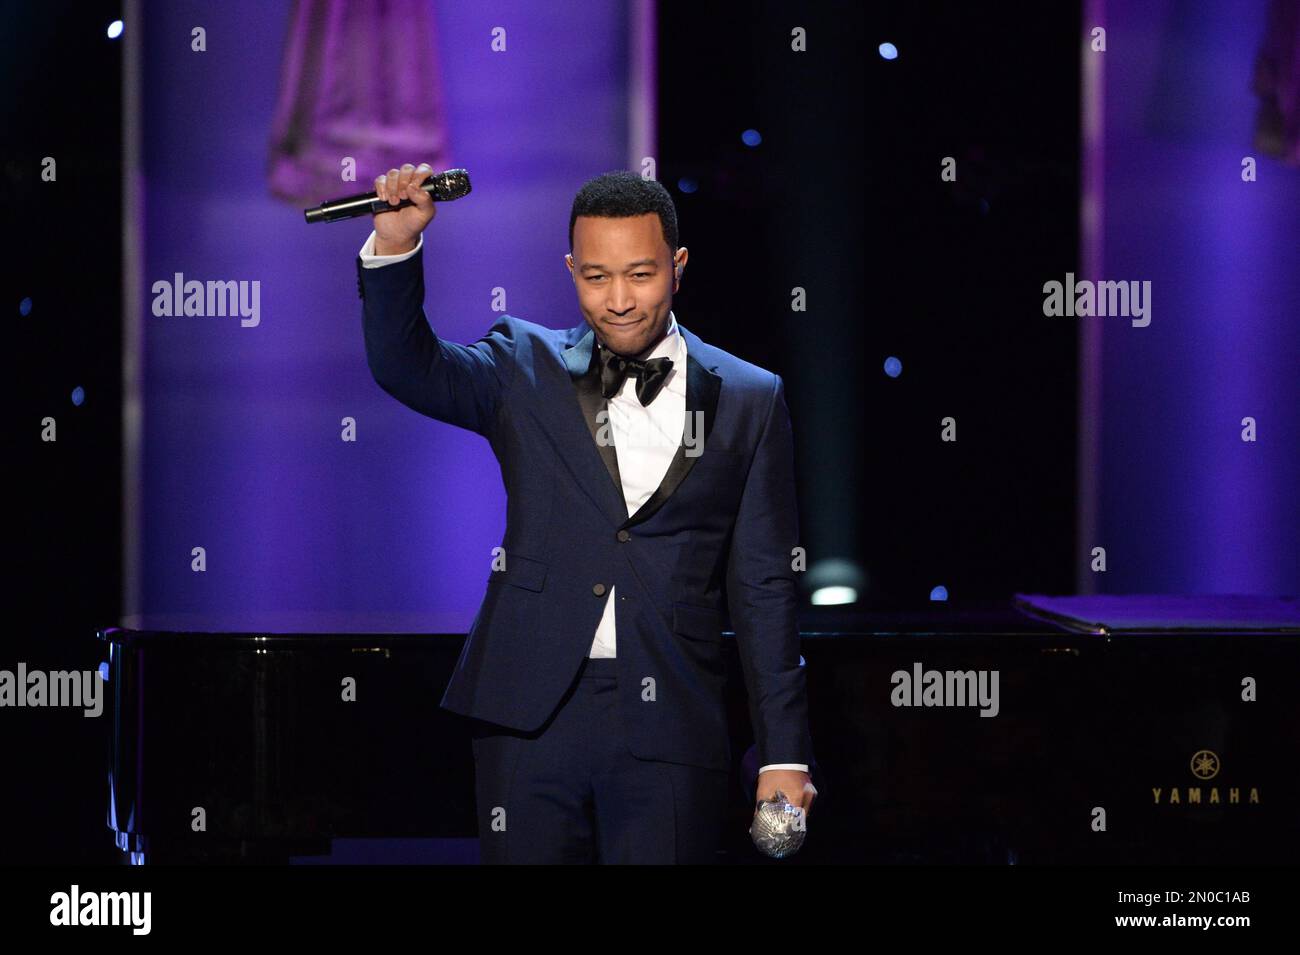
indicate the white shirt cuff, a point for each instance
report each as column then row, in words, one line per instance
column 371, row 261
column 801, row 767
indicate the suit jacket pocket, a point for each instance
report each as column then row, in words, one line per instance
column 522, row 571
column 698, row 623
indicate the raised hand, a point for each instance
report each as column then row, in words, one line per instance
column 396, row 230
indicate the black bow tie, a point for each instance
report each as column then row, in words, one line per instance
column 650, row 374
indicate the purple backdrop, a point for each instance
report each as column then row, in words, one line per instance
column 241, row 445
column 1185, row 505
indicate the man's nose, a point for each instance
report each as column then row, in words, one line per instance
column 620, row 300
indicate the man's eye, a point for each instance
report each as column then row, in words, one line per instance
column 640, row 274
column 592, row 278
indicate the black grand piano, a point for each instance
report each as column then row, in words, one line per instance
column 1127, row 730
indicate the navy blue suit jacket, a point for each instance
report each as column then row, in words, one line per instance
column 716, row 536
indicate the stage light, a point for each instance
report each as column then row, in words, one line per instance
column 893, row 367
column 78, row 395
column 115, row 29
column 830, row 596
column 25, row 307
column 751, row 137
column 687, row 185
column 939, row 593
column 888, row 51
column 834, row 580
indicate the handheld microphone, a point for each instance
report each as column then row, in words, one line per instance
column 441, row 187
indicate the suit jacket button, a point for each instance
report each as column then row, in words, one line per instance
column 598, row 590
column 624, row 536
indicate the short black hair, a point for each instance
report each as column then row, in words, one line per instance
column 621, row 194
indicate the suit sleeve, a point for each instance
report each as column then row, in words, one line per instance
column 459, row 384
column 762, row 597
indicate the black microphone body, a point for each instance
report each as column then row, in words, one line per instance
column 441, row 187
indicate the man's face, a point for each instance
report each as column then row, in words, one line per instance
column 625, row 279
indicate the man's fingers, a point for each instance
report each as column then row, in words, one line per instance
column 404, row 180
column 404, row 183
column 414, row 192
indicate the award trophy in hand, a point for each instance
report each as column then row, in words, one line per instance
column 779, row 828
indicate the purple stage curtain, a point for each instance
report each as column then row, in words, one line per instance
column 360, row 79
column 1277, row 83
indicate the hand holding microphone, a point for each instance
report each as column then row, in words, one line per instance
column 397, row 229
column 402, row 204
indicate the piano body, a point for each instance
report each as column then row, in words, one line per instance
column 269, row 740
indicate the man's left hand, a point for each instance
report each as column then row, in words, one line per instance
column 796, row 785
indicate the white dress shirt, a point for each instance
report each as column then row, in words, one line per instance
column 646, row 438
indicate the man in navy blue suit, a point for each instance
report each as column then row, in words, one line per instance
column 650, row 485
